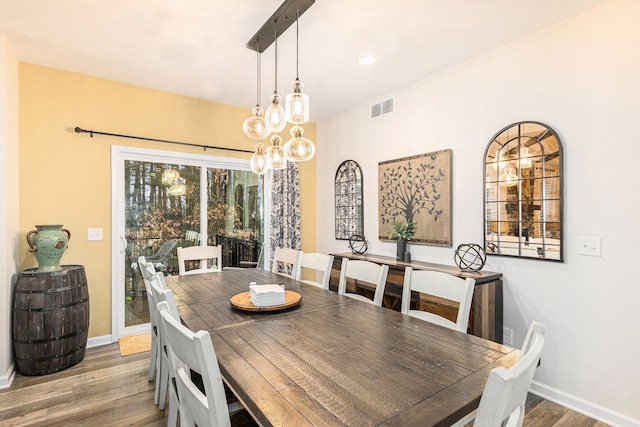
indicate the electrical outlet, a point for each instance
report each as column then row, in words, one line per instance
column 507, row 336
column 94, row 234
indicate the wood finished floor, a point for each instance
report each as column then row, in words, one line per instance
column 106, row 389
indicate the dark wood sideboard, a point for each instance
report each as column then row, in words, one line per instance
column 485, row 319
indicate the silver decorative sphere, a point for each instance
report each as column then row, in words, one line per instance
column 358, row 244
column 470, row 256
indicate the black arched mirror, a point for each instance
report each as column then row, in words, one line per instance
column 348, row 200
column 523, row 193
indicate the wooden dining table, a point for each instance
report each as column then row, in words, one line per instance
column 331, row 360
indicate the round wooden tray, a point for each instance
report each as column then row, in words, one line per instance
column 242, row 301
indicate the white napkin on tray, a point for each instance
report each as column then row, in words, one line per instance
column 266, row 295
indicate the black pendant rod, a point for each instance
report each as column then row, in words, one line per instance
column 95, row 132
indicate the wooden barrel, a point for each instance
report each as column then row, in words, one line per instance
column 50, row 319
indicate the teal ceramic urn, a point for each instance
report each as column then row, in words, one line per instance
column 48, row 243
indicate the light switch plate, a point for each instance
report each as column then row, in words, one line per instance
column 94, row 234
column 591, row 246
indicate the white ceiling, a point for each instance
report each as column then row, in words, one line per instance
column 197, row 47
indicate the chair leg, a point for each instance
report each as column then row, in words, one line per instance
column 162, row 384
column 172, row 420
column 153, row 359
column 159, row 378
column 186, row 420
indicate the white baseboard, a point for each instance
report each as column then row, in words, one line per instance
column 6, row 380
column 98, row 341
column 582, row 406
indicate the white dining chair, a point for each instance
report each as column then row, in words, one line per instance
column 166, row 381
column 194, row 351
column 147, row 270
column 204, row 254
column 157, row 284
column 320, row 264
column 141, row 261
column 364, row 271
column 505, row 393
column 285, row 260
column 441, row 285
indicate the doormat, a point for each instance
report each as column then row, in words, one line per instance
column 135, row 344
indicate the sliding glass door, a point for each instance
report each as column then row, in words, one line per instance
column 164, row 200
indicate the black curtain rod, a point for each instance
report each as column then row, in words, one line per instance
column 95, row 132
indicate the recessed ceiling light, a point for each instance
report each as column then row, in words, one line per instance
column 367, row 60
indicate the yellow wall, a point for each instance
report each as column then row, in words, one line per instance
column 65, row 178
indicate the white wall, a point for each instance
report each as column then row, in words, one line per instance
column 582, row 78
column 8, row 200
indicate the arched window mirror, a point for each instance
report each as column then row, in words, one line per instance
column 348, row 198
column 523, row 193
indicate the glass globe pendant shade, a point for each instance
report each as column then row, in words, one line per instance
column 525, row 158
column 501, row 163
column 255, row 127
column 259, row 160
column 299, row 149
column 508, row 178
column 177, row 189
column 169, row 176
column 275, row 154
column 276, row 116
column 297, row 104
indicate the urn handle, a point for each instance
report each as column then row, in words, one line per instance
column 68, row 234
column 32, row 247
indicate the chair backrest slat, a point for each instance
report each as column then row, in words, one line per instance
column 286, row 257
column 441, row 285
column 199, row 253
column 364, row 271
column 320, row 263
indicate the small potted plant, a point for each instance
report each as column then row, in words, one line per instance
column 403, row 231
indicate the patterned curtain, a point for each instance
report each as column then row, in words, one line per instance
column 285, row 209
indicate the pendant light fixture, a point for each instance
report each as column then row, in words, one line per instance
column 296, row 109
column 276, row 119
column 169, row 176
column 259, row 160
column 275, row 154
column 508, row 178
column 178, row 189
column 297, row 102
column 298, row 148
column 525, row 158
column 256, row 127
column 500, row 164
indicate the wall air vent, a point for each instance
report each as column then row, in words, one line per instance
column 382, row 108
